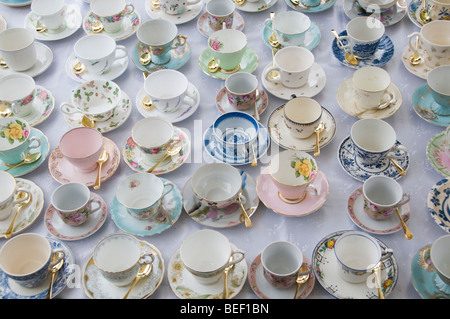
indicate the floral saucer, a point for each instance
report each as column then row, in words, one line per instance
column 221, row 218
column 361, row 172
column 12, row 290
column 425, row 106
column 63, row 172
column 225, row 106
column 185, row 286
column 29, row 213
column 264, row 290
column 15, row 3
column 204, row 28
column 312, row 36
column 382, row 56
column 412, row 11
column 25, row 169
column 249, row 63
column 215, row 150
column 424, row 276
column 438, row 204
column 44, row 58
column 346, row 100
column 421, row 70
column 72, row 20
column 131, row 22
column 186, row 16
column 324, row 5
column 355, row 207
column 61, row 230
column 121, row 114
column 132, row 155
column 325, row 267
column 438, row 155
column 395, row 14
column 179, row 115
column 257, row 6
column 315, row 84
column 95, row 286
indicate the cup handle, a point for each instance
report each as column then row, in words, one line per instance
column 414, row 35
column 121, row 52
column 391, row 100
column 15, row 107
column 399, row 148
column 180, row 41
column 61, row 255
column 170, row 188
column 97, row 203
column 238, row 255
column 68, row 108
column 404, row 200
column 312, row 190
column 129, row 8
column 274, row 80
column 340, row 44
column 34, row 139
column 147, row 258
column 268, row 24
column 17, row 201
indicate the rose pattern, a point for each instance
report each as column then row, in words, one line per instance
column 304, row 167
column 15, row 131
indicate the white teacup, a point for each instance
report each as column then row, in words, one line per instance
column 290, row 27
column 49, row 14
column 302, row 116
column 17, row 92
column 8, row 195
column 176, row 6
column 440, row 256
column 220, row 12
column 439, row 84
column 376, row 6
column 111, row 13
column 228, row 46
column 17, row 48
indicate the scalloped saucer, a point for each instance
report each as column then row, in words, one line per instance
column 412, row 9
column 425, row 106
column 392, row 16
column 204, row 28
column 422, row 69
column 438, row 155
column 186, row 16
column 438, row 204
column 224, row 106
column 312, row 36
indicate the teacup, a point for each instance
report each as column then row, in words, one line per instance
column 374, row 140
column 218, row 185
column 49, row 14
column 241, row 90
column 370, row 85
column 220, row 12
column 228, row 46
column 206, row 253
column 168, row 90
column 293, row 173
column 119, row 256
column 302, row 115
column 73, row 203
column 97, row 99
column 440, row 255
column 382, row 195
column 98, row 52
column 141, row 194
column 281, row 261
column 357, row 254
column 289, row 27
column 363, row 36
column 439, row 85
column 17, row 48
column 27, row 258
column 111, row 13
column 8, row 195
column 17, row 92
column 437, row 9
column 176, row 6
column 82, row 147
column 293, row 65
column 159, row 37
column 15, row 140
column 376, row 6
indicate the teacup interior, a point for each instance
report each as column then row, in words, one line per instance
column 373, row 135
column 152, row 132
column 437, row 32
column 220, row 8
column 70, row 196
column 157, row 32
column 166, row 84
column 292, row 168
column 117, row 253
column 106, row 8
column 7, row 185
column 139, row 191
column 357, row 252
column 365, row 29
column 235, row 128
column 291, row 22
column 303, row 110
column 294, row 59
column 46, row 7
column 241, row 83
column 382, row 191
column 229, row 40
column 15, row 87
column 438, row 80
column 282, row 258
column 95, row 46
column 371, row 79
column 81, row 143
column 15, row 39
column 440, row 255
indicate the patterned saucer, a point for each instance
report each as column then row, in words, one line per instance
column 422, row 69
column 395, row 14
column 15, row 3
column 312, row 36
column 204, row 28
column 323, row 5
column 186, row 16
column 413, row 14
column 257, row 6
column 225, row 106
column 438, row 155
column 425, row 106
column 438, row 204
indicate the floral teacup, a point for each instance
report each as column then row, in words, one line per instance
column 111, row 13
column 241, row 90
column 220, row 12
column 17, row 93
column 228, row 46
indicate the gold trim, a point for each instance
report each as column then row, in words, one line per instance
column 292, row 201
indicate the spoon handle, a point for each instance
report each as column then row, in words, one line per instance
column 159, row 162
column 400, row 170
column 248, row 222
column 317, row 150
column 9, row 231
column 131, row 288
column 98, row 180
column 14, row 166
column 50, row 287
column 408, row 233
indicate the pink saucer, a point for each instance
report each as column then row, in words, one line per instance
column 63, row 172
column 268, row 194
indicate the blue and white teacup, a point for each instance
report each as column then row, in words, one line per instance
column 290, row 27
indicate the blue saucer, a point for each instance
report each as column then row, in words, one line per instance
column 437, row 202
column 381, row 56
column 427, row 108
column 312, row 36
column 324, row 5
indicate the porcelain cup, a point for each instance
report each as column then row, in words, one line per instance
column 293, row 65
column 119, row 256
column 293, row 173
column 27, row 258
column 439, row 84
column 302, row 115
column 289, row 27
column 440, row 255
column 206, row 253
column 17, row 48
column 8, row 195
column 176, row 6
column 220, row 12
column 241, row 90
column 376, row 6
column 49, row 14
column 111, row 13
column 228, row 46
column 437, row 9
column 15, row 140
column 17, row 92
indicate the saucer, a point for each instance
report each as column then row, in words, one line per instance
column 382, row 56
column 185, row 286
column 12, row 290
column 95, row 286
column 44, row 58
column 63, row 172
column 72, row 20
column 257, row 6
column 186, row 16
column 438, row 201
column 423, row 276
column 25, row 169
column 355, row 169
column 280, row 133
column 425, row 106
column 437, row 155
column 61, row 230
column 225, row 106
column 230, row 216
column 312, row 36
column 121, row 114
column 15, row 3
column 326, row 270
column 346, row 100
column 412, row 10
column 131, row 22
column 264, row 290
column 204, row 28
column 324, row 5
column 315, row 84
column 421, row 70
column 268, row 194
column 215, row 150
column 132, row 155
column 29, row 213
column 179, row 115
column 353, row 9
column 355, row 207
column 249, row 63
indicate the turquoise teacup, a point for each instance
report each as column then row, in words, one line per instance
column 290, row 27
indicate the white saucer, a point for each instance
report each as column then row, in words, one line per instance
column 257, row 6
column 395, row 14
column 186, row 16
column 204, row 28
column 421, row 70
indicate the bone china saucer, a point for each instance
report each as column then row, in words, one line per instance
column 438, row 204
column 312, row 36
column 392, row 16
column 224, row 106
column 422, row 69
column 438, row 155
column 186, row 16
column 204, row 28
column 425, row 106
